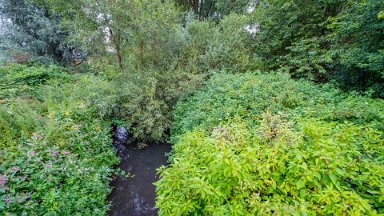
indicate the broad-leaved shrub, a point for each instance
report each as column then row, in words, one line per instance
column 263, row 144
column 56, row 154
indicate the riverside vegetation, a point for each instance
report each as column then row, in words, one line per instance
column 260, row 144
column 56, row 154
column 271, row 107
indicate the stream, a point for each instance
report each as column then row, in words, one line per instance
column 136, row 195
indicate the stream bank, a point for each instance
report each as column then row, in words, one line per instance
column 136, row 195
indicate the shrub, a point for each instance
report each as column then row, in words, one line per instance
column 265, row 144
column 149, row 91
column 253, row 93
column 16, row 79
column 55, row 146
column 324, row 40
column 216, row 46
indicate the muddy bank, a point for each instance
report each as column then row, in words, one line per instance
column 136, row 195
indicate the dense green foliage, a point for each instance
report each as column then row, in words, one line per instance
column 216, row 9
column 357, row 45
column 31, row 32
column 265, row 144
column 157, row 53
column 323, row 40
column 148, row 93
column 157, row 59
column 16, row 80
column 56, row 155
column 244, row 144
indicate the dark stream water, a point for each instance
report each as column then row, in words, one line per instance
column 136, row 195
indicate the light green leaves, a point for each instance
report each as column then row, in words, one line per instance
column 56, row 149
column 300, row 184
column 297, row 148
column 380, row 15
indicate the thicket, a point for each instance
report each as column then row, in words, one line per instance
column 324, row 40
column 160, row 51
column 215, row 9
column 30, row 31
column 247, row 143
column 149, row 92
column 56, row 155
column 266, row 144
column 155, row 54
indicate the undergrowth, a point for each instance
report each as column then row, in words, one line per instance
column 258, row 144
column 56, row 156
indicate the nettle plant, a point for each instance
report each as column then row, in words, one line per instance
column 309, row 152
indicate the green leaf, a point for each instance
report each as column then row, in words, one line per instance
column 300, row 184
column 333, row 178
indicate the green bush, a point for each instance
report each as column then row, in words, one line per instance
column 324, row 40
column 215, row 46
column 250, row 95
column 16, row 79
column 56, row 155
column 149, row 90
column 257, row 144
column 145, row 100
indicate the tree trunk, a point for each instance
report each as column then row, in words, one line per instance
column 118, row 50
column 196, row 6
column 116, row 42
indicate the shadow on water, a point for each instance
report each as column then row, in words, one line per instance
column 136, row 195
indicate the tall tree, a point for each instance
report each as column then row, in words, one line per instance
column 33, row 29
column 214, row 8
column 158, row 60
column 293, row 34
column 128, row 30
column 357, row 45
column 323, row 40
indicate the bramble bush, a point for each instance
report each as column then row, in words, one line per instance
column 56, row 155
column 257, row 144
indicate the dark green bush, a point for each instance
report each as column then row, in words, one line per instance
column 265, row 144
column 324, row 40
